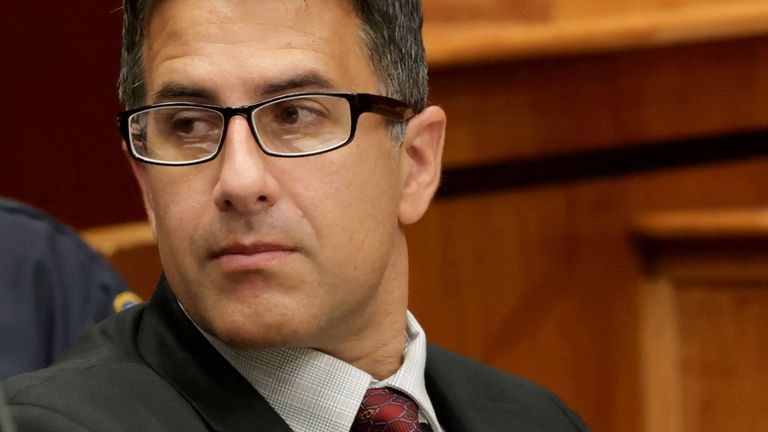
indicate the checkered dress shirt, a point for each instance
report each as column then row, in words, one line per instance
column 315, row 392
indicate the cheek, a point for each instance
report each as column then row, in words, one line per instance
column 359, row 198
column 180, row 207
column 180, row 189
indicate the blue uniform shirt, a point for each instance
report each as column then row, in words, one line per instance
column 52, row 287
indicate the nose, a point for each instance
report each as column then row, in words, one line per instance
column 245, row 183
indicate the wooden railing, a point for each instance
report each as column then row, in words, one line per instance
column 132, row 250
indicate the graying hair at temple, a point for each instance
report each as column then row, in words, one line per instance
column 391, row 30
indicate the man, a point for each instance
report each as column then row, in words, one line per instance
column 280, row 228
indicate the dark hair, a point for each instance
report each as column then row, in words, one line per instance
column 391, row 31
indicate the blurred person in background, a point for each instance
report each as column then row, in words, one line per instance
column 52, row 288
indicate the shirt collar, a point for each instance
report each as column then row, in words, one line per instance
column 315, row 392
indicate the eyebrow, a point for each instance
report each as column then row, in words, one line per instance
column 174, row 91
column 309, row 80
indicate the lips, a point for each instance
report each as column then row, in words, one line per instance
column 249, row 249
column 249, row 257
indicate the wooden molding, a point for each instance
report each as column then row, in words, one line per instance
column 681, row 225
column 472, row 41
column 111, row 239
column 660, row 352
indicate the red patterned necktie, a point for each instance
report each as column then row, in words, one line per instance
column 387, row 410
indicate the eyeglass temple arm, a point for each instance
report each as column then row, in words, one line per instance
column 387, row 107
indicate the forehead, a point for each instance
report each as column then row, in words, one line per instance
column 228, row 44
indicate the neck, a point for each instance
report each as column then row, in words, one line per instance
column 384, row 357
column 375, row 344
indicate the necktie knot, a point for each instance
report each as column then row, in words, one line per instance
column 387, row 410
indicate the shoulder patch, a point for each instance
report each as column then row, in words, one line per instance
column 126, row 299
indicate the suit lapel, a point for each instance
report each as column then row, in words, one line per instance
column 175, row 348
column 449, row 396
column 464, row 405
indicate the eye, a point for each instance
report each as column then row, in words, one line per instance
column 297, row 115
column 191, row 124
column 303, row 124
column 290, row 115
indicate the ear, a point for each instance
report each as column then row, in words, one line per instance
column 140, row 172
column 421, row 158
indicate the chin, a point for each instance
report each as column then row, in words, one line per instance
column 257, row 336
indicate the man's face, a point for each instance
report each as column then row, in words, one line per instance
column 265, row 251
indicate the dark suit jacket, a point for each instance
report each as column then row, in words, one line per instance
column 149, row 369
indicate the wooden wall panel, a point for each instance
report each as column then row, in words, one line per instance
column 724, row 358
column 524, row 108
column 582, row 9
column 496, row 10
column 483, row 41
column 704, row 319
column 544, row 282
column 555, row 11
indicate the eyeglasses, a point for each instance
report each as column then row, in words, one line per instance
column 293, row 125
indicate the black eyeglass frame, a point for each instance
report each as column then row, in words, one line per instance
column 359, row 103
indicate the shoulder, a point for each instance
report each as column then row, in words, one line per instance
column 512, row 399
column 38, row 249
column 30, row 234
column 474, row 374
column 107, row 346
column 52, row 287
column 102, row 384
column 20, row 222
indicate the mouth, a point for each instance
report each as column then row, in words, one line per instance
column 239, row 257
